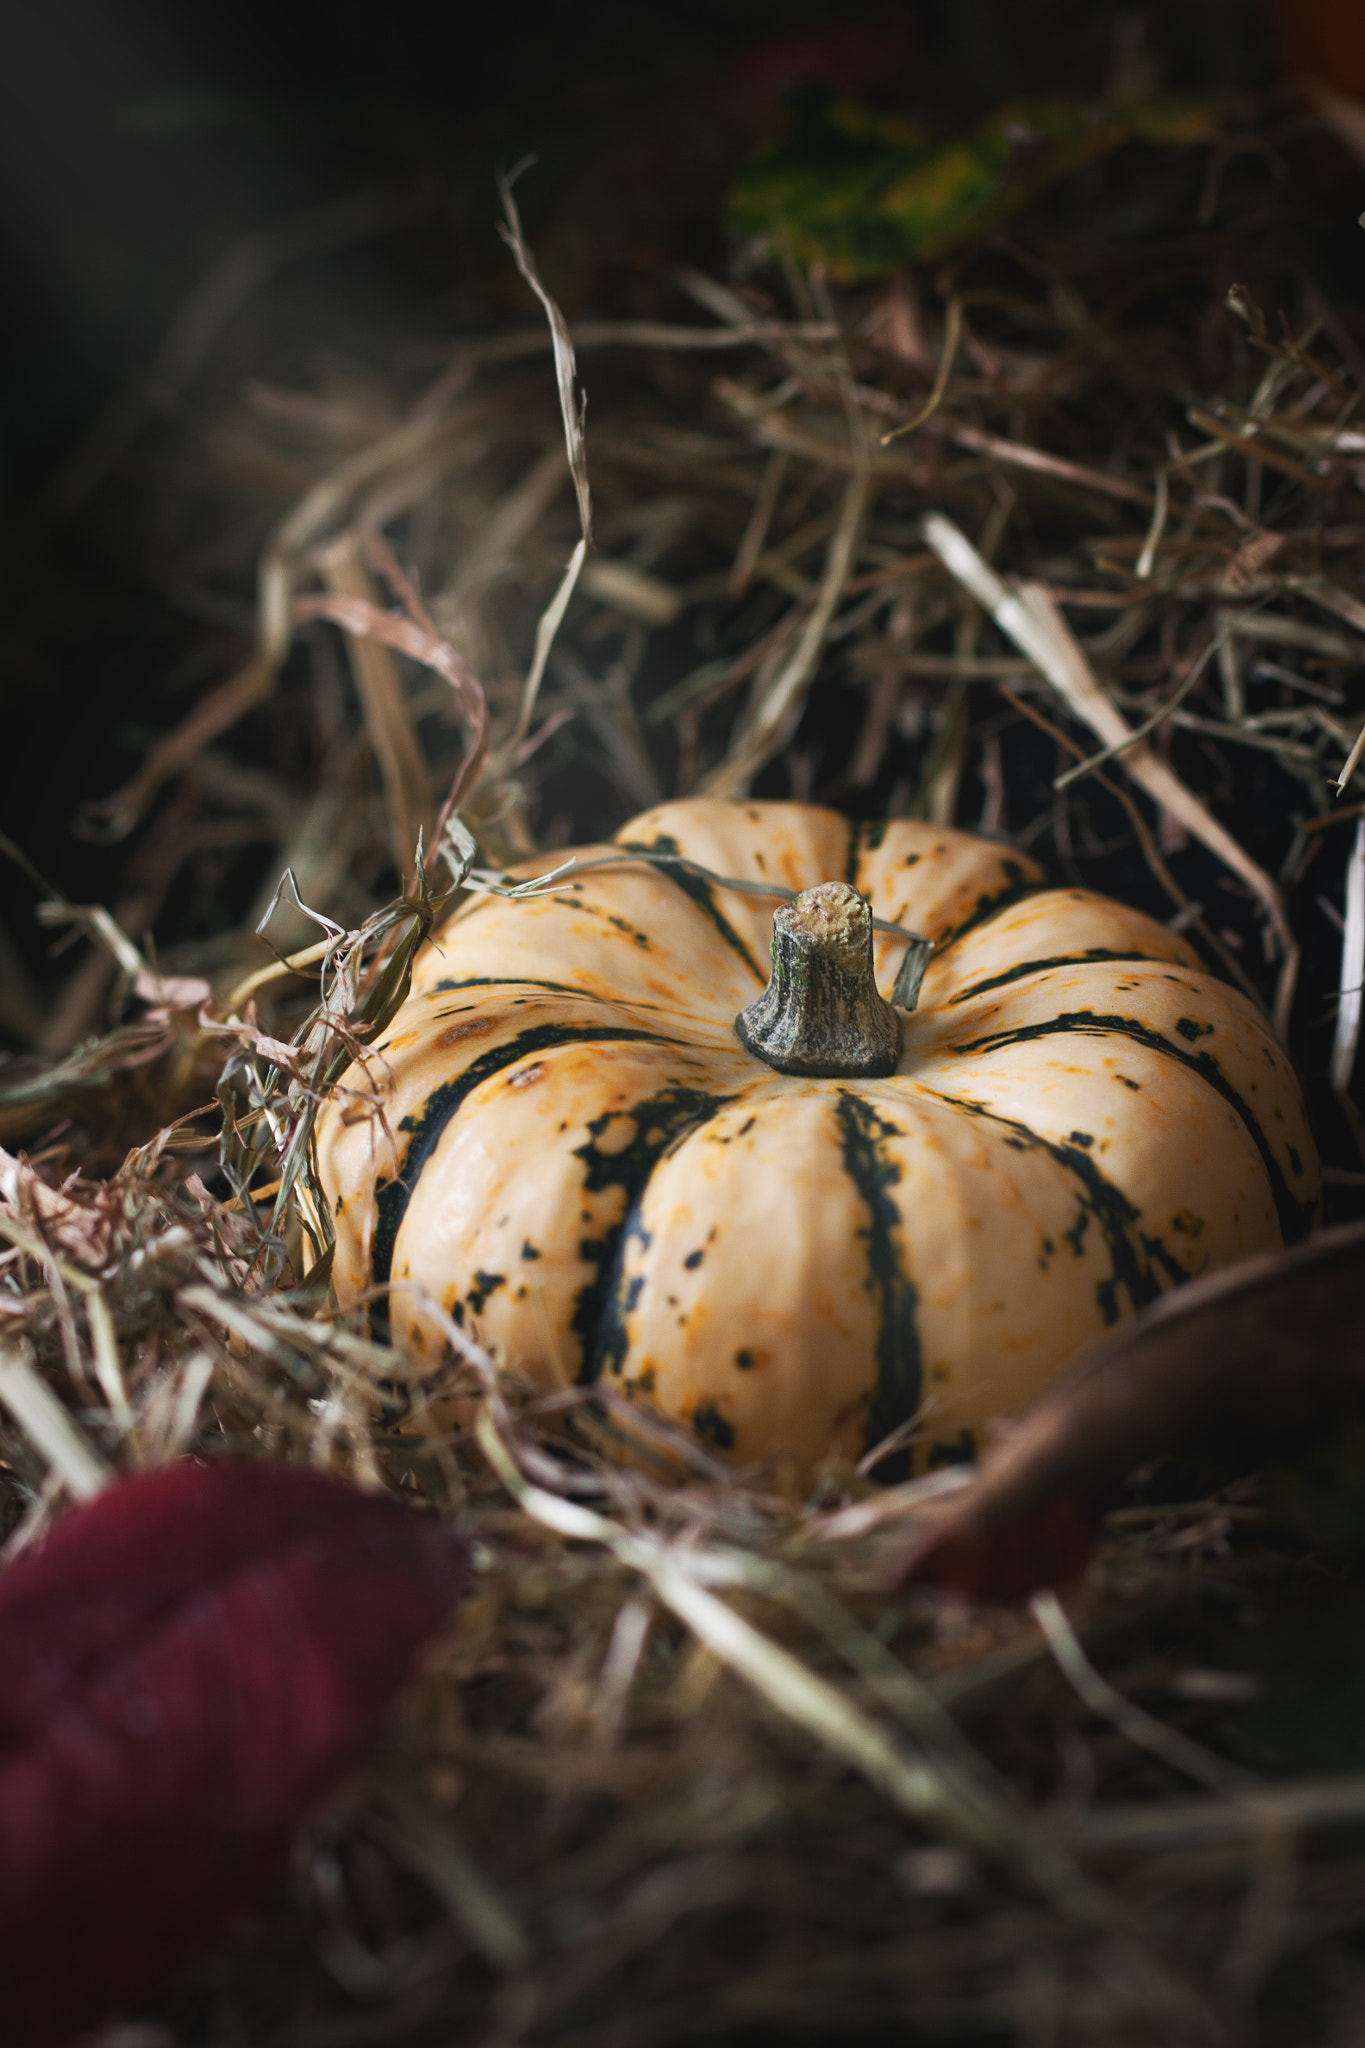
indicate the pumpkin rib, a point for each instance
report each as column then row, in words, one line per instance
column 1080, row 1216
column 936, row 877
column 747, row 1320
column 1102, row 1202
column 365, row 1128
column 1294, row 1216
column 442, row 1105
column 973, row 1179
column 516, row 1216
column 581, row 938
column 778, row 845
column 1071, row 925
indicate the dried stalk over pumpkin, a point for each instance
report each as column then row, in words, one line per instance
column 1032, row 619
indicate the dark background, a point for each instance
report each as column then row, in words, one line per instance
column 141, row 139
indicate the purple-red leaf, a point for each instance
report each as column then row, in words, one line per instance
column 1045, row 1542
column 187, row 1664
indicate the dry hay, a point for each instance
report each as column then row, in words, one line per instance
column 1053, row 545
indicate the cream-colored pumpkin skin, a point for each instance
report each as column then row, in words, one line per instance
column 563, row 1144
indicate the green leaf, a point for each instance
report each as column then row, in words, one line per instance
column 864, row 193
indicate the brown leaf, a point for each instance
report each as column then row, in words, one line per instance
column 84, row 1229
column 1248, row 1361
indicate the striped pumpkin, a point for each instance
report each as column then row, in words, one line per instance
column 579, row 1159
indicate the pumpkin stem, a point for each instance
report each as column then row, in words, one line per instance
column 821, row 1013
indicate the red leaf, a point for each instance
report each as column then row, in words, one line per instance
column 856, row 54
column 1047, row 1543
column 187, row 1664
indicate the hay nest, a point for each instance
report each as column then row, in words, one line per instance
column 1059, row 543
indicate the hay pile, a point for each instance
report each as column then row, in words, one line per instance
column 1061, row 543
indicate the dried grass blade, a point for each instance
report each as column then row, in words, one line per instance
column 1019, row 455
column 103, row 1339
column 474, row 1906
column 384, row 701
column 928, row 1788
column 1031, row 618
column 507, row 526
column 572, row 404
column 1191, row 1759
column 108, row 1370
column 549, row 624
column 1345, row 606
column 194, row 1384
column 1346, row 1040
column 1141, row 1826
column 1147, row 558
column 102, row 926
column 952, row 335
column 1245, row 441
column 782, row 702
column 632, row 592
column 663, row 334
column 760, row 519
column 1352, row 761
column 363, row 620
column 610, row 713
column 1141, row 733
column 293, row 963
column 48, row 1427
column 573, row 407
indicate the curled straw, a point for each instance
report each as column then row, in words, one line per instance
column 572, row 404
column 573, row 407
column 952, row 335
column 428, row 432
column 411, row 632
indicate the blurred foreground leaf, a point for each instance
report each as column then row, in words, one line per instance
column 187, row 1665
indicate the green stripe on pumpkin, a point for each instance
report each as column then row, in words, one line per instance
column 873, row 1170
column 440, row 1108
column 1295, row 1217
